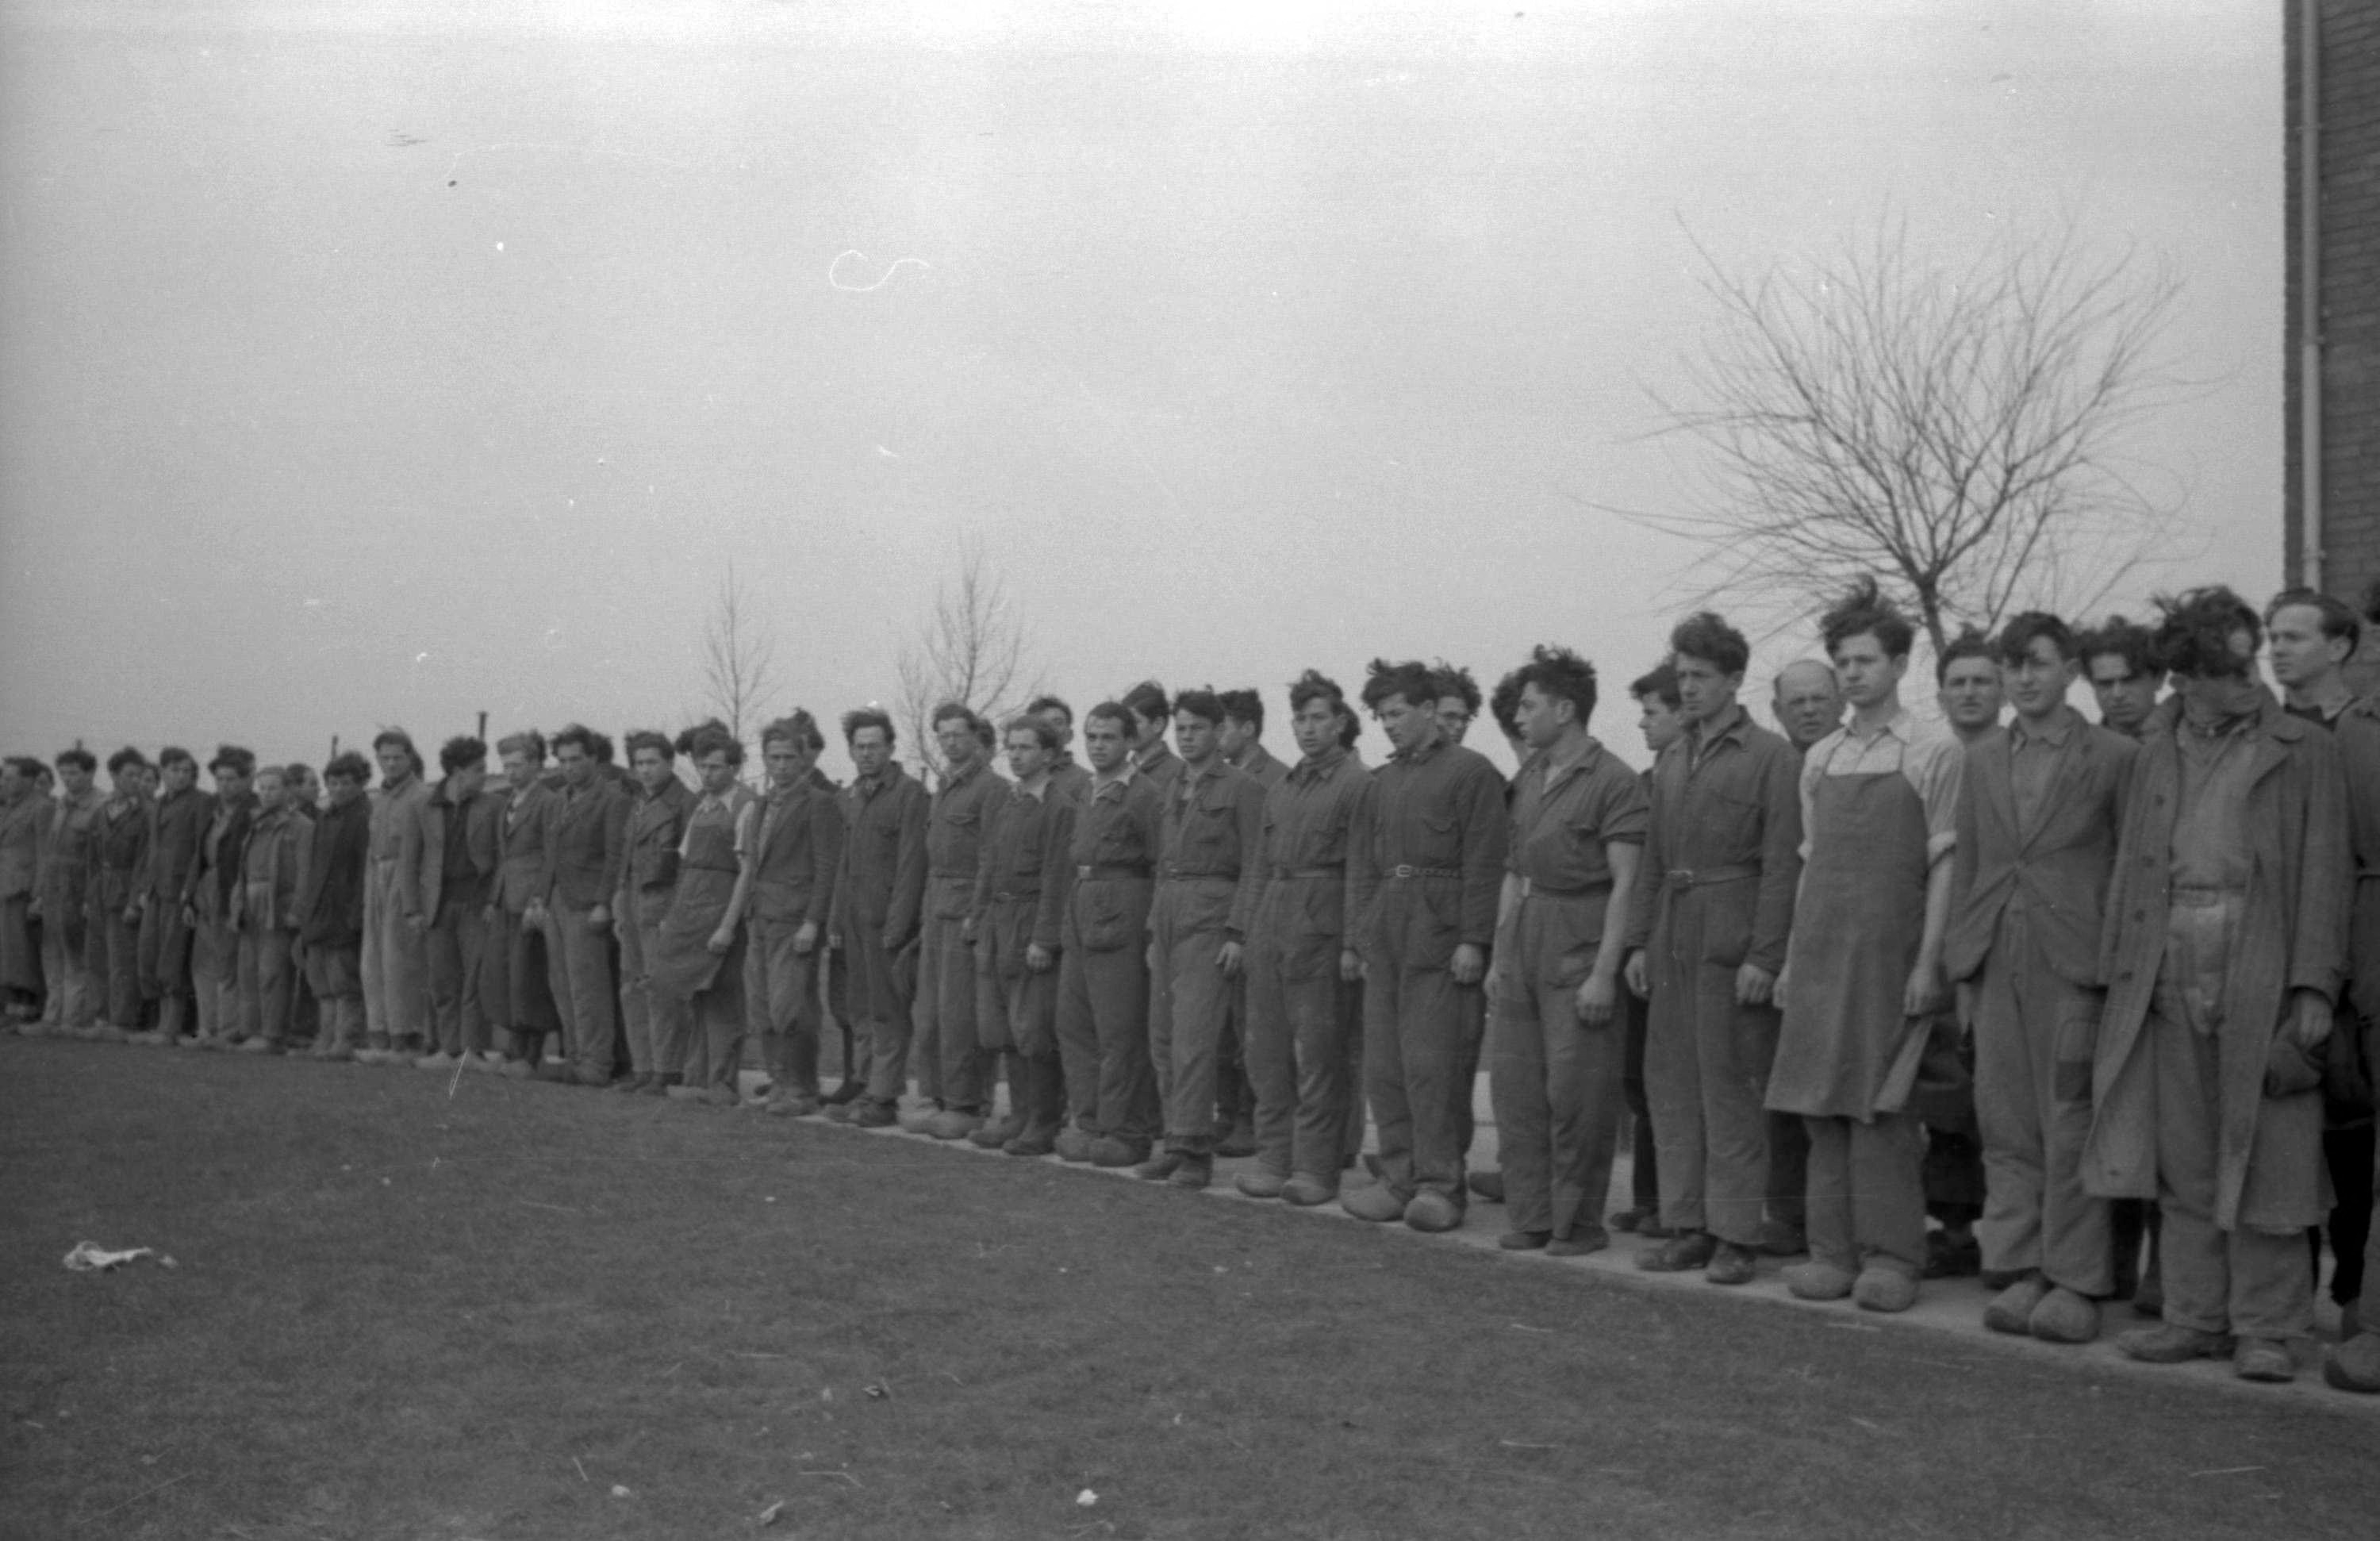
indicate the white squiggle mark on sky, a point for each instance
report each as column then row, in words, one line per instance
column 836, row 266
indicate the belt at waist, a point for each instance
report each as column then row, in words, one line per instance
column 1698, row 877
column 690, row 865
column 1532, row 889
column 1175, row 870
column 1407, row 872
column 1287, row 872
column 1007, row 896
column 965, row 876
column 2199, row 897
column 1111, row 874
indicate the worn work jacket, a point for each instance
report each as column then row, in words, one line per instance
column 1726, row 826
column 1437, row 818
column 1118, row 831
column 1255, row 760
column 331, row 892
column 68, row 854
column 175, row 825
column 884, row 854
column 955, row 826
column 2056, row 865
column 119, row 852
column 213, row 878
column 20, row 845
column 2292, row 936
column 272, row 872
column 422, row 847
column 1310, row 819
column 796, row 856
column 1023, row 857
column 524, row 819
column 656, row 826
column 586, row 846
column 1213, row 831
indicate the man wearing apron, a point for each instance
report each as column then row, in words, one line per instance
column 1864, row 968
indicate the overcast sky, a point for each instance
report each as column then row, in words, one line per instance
column 363, row 368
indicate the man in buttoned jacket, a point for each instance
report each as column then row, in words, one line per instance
column 517, row 972
column 796, row 860
column 447, row 858
column 177, row 820
column 585, row 850
column 2039, row 809
column 878, row 897
column 957, row 1073
column 654, row 1022
column 208, row 888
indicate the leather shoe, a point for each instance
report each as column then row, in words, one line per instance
column 1579, row 1243
column 2168, row 1345
column 1948, row 1256
column 1108, row 1151
column 1879, row 1288
column 785, row 1102
column 1680, row 1253
column 870, row 1114
column 951, row 1124
column 1308, row 1192
column 1195, row 1171
column 1432, row 1211
column 1072, row 1145
column 2064, row 1316
column 1816, row 1281
column 2354, row 1366
column 1379, row 1202
column 1260, row 1184
column 1158, row 1167
column 2012, row 1310
column 1032, row 1142
column 2264, row 1359
column 1733, row 1264
column 1488, row 1184
column 1524, row 1241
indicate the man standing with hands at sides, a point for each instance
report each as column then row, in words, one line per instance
column 175, row 825
column 1069, row 777
column 2038, row 818
column 654, row 1022
column 1305, row 995
column 331, row 905
column 1719, row 879
column 1423, row 880
column 2120, row 663
column 878, row 896
column 585, row 850
column 700, row 962
column 1207, row 880
column 1242, row 744
column 1661, row 720
column 446, row 862
column 1015, row 913
column 1559, row 1047
column 516, row 991
column 119, row 846
column 1864, row 967
column 265, row 910
column 1103, row 953
column 2225, row 947
column 63, row 901
column 2313, row 637
column 956, row 1072
column 22, row 812
column 796, row 852
column 395, row 962
column 1152, row 716
column 207, row 896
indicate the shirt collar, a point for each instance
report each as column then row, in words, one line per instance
column 1901, row 724
column 1037, row 789
column 1321, row 767
column 2061, row 727
column 1730, row 726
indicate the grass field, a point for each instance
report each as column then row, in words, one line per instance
column 398, row 1312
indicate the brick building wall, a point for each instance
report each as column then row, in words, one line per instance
column 2348, row 109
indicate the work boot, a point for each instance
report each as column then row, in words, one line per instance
column 1260, row 1184
column 869, row 1113
column 1733, row 1264
column 1432, row 1211
column 2010, row 1311
column 1110, row 1151
column 2064, row 1316
column 1781, row 1239
column 1524, row 1241
column 1488, row 1184
column 441, row 1060
column 919, row 1119
column 953, row 1124
column 1380, row 1202
column 1882, row 1287
column 1196, row 1171
column 1033, row 1142
column 1238, row 1141
column 1629, row 1219
column 1307, row 1193
column 1949, row 1257
column 995, row 1133
column 1160, row 1167
column 1680, row 1254
column 2264, row 1359
column 260, row 1045
column 1818, row 1281
column 1072, row 1145
column 2169, row 1344
column 1583, row 1239
column 2354, row 1366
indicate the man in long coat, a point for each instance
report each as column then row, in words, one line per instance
column 2225, row 949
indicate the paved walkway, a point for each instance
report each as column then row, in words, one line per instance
column 1952, row 1308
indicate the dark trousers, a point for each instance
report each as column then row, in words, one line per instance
column 1644, row 1163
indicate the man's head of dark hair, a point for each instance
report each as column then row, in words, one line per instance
column 715, row 739
column 1244, row 706
column 800, row 729
column 1149, row 702
column 232, row 757
column 577, row 734
column 1459, row 683
column 685, row 740
column 348, row 766
column 1413, row 680
column 1504, row 704
column 658, row 742
column 529, row 741
column 2118, row 637
column 123, row 757
column 956, row 711
column 461, row 753
column 867, row 716
column 1707, row 636
column 2338, row 617
column 1864, row 612
column 1051, row 703
column 1561, row 674
column 1661, row 684
column 1969, row 643
column 80, row 757
column 1111, row 711
column 2208, row 633
column 2016, row 638
column 1202, row 703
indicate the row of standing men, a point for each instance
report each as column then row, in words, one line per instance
column 2028, row 977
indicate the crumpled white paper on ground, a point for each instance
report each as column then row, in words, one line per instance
column 90, row 1257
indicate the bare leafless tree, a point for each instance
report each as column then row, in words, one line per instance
column 739, row 659
column 971, row 647
column 1958, row 432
